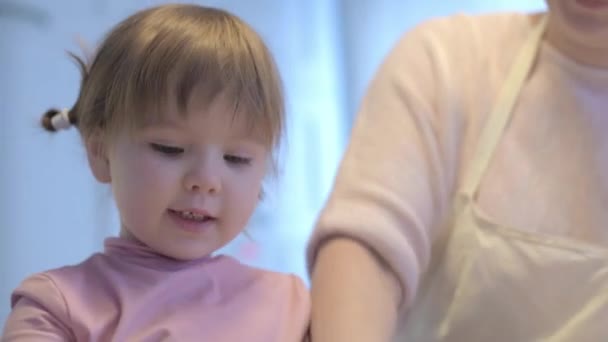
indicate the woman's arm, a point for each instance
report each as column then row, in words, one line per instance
column 355, row 297
column 372, row 241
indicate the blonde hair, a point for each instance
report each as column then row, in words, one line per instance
column 166, row 52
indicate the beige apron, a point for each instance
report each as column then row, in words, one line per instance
column 494, row 283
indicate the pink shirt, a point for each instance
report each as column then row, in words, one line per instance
column 130, row 293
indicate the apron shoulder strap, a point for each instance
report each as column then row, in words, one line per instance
column 501, row 112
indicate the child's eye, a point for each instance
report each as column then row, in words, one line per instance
column 236, row 160
column 166, row 149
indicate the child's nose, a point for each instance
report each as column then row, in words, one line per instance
column 203, row 177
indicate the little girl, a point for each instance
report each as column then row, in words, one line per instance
column 179, row 111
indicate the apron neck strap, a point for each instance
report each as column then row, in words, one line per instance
column 501, row 112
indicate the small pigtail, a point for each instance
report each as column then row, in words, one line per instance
column 55, row 120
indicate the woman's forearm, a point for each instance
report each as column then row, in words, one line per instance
column 354, row 296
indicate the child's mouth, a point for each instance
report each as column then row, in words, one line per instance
column 192, row 221
column 190, row 215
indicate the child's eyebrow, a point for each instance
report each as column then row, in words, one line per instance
column 162, row 121
column 250, row 141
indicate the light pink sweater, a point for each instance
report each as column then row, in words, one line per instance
column 419, row 125
column 130, row 293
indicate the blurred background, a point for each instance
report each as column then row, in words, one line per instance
column 53, row 213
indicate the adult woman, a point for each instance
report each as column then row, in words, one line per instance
column 470, row 203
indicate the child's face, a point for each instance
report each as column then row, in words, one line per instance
column 187, row 186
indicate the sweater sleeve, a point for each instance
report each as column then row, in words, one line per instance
column 395, row 182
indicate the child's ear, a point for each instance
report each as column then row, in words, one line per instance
column 98, row 159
